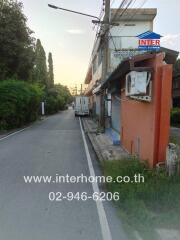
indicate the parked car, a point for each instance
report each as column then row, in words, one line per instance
column 81, row 106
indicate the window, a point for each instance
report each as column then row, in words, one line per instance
column 130, row 24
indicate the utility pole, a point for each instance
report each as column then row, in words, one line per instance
column 105, row 58
column 106, row 39
column 105, row 48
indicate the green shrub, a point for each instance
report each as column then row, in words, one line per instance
column 19, row 103
column 175, row 116
column 51, row 105
column 56, row 99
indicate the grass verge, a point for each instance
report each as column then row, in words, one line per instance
column 175, row 140
column 146, row 206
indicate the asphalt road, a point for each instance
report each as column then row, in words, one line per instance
column 53, row 146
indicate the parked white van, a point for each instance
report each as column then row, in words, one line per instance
column 81, row 106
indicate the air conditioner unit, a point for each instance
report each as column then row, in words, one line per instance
column 137, row 83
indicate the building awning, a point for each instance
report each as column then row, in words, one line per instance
column 97, row 89
column 126, row 66
column 170, row 55
column 129, row 64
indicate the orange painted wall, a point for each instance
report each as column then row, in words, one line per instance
column 145, row 126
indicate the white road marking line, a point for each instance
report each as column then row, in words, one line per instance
column 14, row 133
column 106, row 233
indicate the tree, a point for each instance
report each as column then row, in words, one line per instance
column 16, row 43
column 50, row 71
column 40, row 67
column 57, row 98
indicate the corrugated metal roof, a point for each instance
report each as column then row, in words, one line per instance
column 125, row 66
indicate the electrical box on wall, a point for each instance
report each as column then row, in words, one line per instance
column 136, row 83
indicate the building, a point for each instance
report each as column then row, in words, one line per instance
column 144, row 118
column 141, row 120
column 122, row 44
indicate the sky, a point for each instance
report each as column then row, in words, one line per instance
column 70, row 37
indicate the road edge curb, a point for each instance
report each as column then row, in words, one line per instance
column 93, row 141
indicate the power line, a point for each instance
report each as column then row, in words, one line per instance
column 124, row 9
column 122, row 4
column 98, row 29
column 131, row 17
column 116, row 13
column 100, row 16
column 101, row 12
column 115, row 48
column 121, row 15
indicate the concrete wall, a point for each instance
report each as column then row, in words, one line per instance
column 134, row 28
column 95, row 77
column 115, row 117
column 124, row 38
column 145, row 126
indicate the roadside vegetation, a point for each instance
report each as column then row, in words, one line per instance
column 19, row 103
column 176, row 67
column 145, row 207
column 175, row 117
column 26, row 76
column 175, row 140
column 57, row 98
column 175, row 112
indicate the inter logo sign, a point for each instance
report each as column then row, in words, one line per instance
column 149, row 41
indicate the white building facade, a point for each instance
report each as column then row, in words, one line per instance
column 123, row 43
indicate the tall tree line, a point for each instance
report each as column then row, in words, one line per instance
column 26, row 73
column 21, row 56
column 51, row 71
column 16, row 42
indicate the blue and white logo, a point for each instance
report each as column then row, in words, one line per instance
column 149, row 41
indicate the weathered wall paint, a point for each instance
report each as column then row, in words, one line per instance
column 145, row 126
